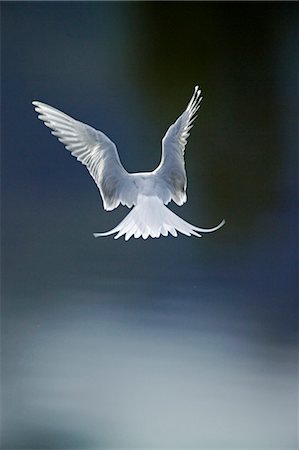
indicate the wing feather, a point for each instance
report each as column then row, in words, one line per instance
column 96, row 151
column 172, row 166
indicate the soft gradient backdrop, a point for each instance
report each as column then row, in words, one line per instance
column 186, row 343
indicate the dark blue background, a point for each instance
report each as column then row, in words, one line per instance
column 158, row 343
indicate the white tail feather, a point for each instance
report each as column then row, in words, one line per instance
column 150, row 217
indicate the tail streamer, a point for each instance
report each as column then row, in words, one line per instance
column 151, row 218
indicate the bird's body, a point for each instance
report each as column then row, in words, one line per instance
column 146, row 192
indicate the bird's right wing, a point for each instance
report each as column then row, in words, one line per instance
column 172, row 166
column 96, row 151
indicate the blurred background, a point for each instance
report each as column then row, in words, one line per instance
column 186, row 343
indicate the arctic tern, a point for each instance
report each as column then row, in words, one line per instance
column 146, row 193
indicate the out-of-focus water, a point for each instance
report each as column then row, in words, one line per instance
column 100, row 370
column 169, row 343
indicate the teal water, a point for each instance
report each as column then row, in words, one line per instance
column 169, row 343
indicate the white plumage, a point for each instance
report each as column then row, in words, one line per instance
column 146, row 192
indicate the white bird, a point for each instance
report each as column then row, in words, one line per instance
column 146, row 192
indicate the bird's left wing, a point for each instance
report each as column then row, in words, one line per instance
column 96, row 151
column 171, row 169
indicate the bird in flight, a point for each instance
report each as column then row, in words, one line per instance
column 147, row 193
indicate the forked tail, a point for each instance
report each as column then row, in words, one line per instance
column 150, row 217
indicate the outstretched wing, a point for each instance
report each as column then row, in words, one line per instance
column 96, row 151
column 172, row 165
